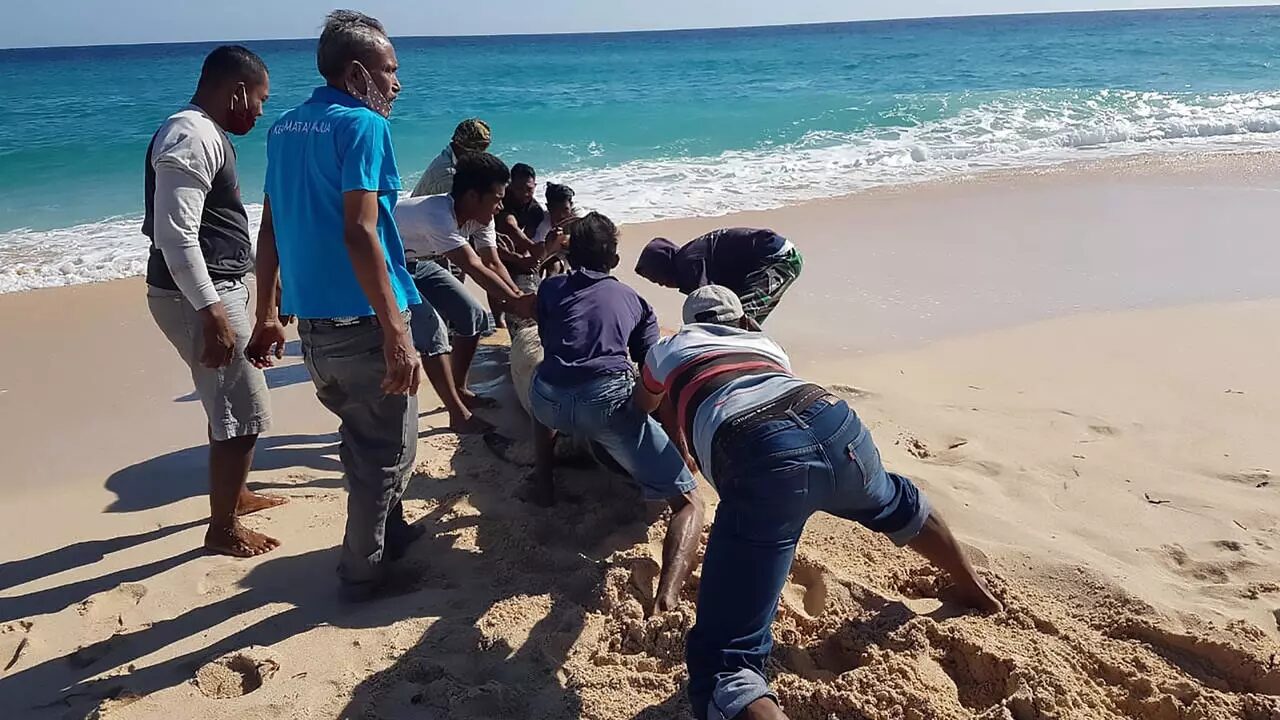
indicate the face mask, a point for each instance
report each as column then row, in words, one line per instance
column 372, row 97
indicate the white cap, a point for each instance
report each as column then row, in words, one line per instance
column 712, row 304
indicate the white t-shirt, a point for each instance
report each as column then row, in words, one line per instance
column 544, row 229
column 430, row 229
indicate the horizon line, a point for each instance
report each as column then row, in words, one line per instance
column 640, row 31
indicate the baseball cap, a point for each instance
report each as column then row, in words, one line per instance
column 712, row 304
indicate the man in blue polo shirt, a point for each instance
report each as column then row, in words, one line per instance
column 329, row 240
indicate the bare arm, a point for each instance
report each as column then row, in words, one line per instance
column 268, row 333
column 360, row 234
column 467, row 259
column 489, row 256
column 679, row 549
column 507, row 225
column 936, row 543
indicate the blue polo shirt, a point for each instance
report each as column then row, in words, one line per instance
column 330, row 145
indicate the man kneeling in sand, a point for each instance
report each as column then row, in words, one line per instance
column 592, row 327
column 200, row 253
column 778, row 449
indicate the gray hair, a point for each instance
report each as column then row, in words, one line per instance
column 348, row 35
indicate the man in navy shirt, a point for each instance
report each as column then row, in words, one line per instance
column 757, row 265
column 593, row 329
column 329, row 236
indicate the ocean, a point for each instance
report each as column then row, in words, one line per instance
column 665, row 124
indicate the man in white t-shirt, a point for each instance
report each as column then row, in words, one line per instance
column 447, row 226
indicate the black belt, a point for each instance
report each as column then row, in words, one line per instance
column 787, row 405
column 347, row 322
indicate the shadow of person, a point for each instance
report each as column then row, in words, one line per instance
column 183, row 474
column 58, row 598
column 521, row 584
column 21, row 572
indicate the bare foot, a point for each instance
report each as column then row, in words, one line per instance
column 472, row 425
column 476, row 402
column 238, row 541
column 252, row 502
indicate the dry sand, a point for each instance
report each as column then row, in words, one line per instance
column 1111, row 469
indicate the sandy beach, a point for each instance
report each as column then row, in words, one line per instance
column 1077, row 364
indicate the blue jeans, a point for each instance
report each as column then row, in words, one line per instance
column 772, row 475
column 601, row 410
column 446, row 306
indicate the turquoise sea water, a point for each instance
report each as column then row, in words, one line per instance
column 650, row 125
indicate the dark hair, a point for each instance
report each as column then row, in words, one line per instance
column 559, row 194
column 593, row 243
column 232, row 63
column 520, row 171
column 479, row 172
column 347, row 36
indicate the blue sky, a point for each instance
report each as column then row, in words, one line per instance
column 94, row 22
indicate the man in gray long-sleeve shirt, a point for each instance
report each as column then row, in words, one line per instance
column 200, row 253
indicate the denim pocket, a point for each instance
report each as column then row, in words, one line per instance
column 611, row 391
column 770, row 506
column 866, row 455
column 545, row 408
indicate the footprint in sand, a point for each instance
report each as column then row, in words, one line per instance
column 1104, row 430
column 914, row 446
column 112, row 603
column 807, row 589
column 1215, row 571
column 1219, row 664
column 236, row 674
column 850, row 393
column 1257, row 477
column 221, row 579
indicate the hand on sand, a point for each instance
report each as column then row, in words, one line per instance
column 665, row 602
column 974, row 594
column 266, row 345
column 237, row 540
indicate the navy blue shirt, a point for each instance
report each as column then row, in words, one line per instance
column 725, row 257
column 591, row 324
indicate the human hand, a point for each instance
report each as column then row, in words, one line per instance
column 404, row 366
column 219, row 339
column 266, row 345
